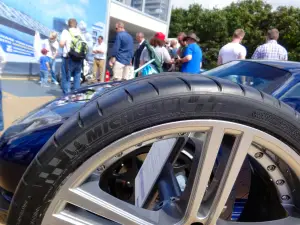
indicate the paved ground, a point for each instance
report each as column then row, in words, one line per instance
column 20, row 96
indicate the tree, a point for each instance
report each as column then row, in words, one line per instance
column 286, row 20
column 178, row 22
column 215, row 27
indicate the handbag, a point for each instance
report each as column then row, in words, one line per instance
column 148, row 70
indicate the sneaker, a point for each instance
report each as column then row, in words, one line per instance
column 55, row 82
column 40, row 82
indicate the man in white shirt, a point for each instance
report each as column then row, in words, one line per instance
column 99, row 52
column 70, row 67
column 52, row 47
column 233, row 50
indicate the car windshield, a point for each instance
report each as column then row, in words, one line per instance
column 258, row 75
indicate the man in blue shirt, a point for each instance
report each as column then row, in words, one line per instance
column 192, row 56
column 122, row 53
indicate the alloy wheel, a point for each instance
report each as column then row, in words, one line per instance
column 80, row 200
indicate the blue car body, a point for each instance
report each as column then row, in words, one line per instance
column 24, row 139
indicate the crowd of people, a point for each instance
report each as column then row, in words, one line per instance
column 74, row 51
column 153, row 56
column 161, row 55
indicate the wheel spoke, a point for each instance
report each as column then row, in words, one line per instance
column 203, row 171
column 89, row 197
column 235, row 162
column 60, row 220
column 67, row 217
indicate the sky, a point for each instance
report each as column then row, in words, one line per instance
column 44, row 11
column 222, row 3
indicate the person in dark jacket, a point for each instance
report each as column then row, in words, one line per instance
column 140, row 38
column 122, row 53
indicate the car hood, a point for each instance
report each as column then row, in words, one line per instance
column 56, row 111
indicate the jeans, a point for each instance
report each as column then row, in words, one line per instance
column 44, row 77
column 52, row 67
column 70, row 68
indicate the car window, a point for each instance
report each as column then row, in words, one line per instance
column 294, row 92
column 258, row 75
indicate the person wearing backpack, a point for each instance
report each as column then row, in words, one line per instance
column 75, row 49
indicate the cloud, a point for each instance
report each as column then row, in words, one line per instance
column 49, row 2
column 68, row 11
column 84, row 2
column 222, row 3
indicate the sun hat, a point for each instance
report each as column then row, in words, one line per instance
column 192, row 36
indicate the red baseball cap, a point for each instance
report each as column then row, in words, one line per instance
column 160, row 36
column 44, row 51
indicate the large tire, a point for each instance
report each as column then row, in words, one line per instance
column 134, row 106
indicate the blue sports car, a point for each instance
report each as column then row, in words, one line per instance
column 20, row 143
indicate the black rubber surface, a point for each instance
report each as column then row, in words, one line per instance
column 136, row 105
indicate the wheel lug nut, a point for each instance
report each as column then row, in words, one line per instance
column 161, row 204
column 174, row 199
column 280, row 182
column 271, row 168
column 119, row 155
column 258, row 155
column 101, row 168
column 285, row 197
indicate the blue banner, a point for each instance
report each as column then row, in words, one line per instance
column 25, row 28
column 16, row 46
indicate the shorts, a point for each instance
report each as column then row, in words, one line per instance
column 122, row 72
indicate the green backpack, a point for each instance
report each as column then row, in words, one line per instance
column 152, row 55
column 78, row 49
